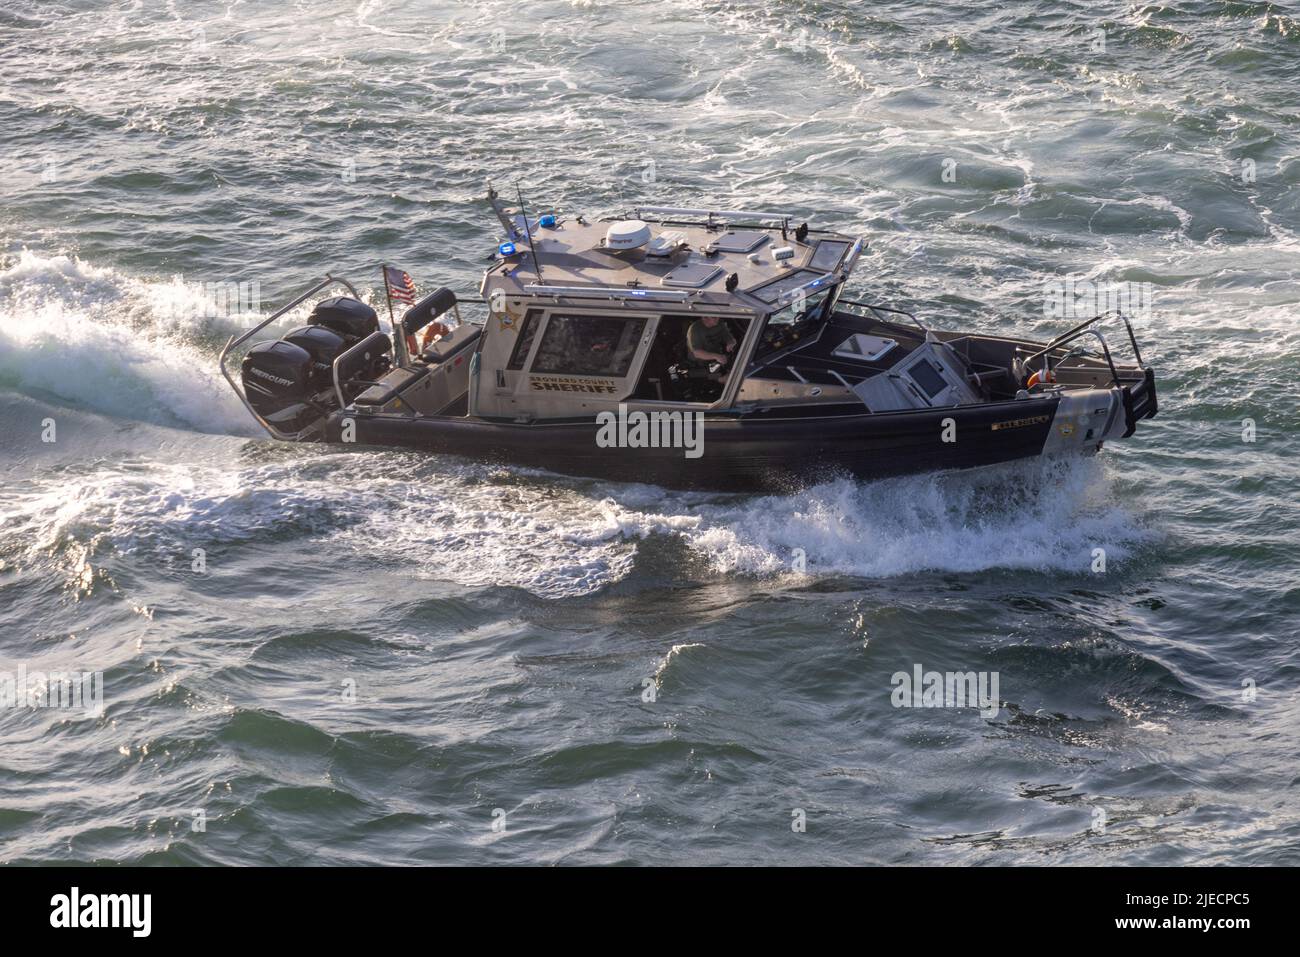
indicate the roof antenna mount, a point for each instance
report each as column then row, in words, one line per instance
column 494, row 198
column 537, row 264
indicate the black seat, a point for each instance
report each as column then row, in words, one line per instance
column 428, row 309
column 453, row 342
column 361, row 359
column 388, row 388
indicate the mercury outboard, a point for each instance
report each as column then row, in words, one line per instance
column 289, row 382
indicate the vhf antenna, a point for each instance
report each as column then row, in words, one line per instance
column 529, row 233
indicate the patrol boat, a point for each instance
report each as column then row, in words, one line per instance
column 581, row 361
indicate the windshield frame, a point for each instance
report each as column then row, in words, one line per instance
column 812, row 313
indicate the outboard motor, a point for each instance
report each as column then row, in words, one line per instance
column 350, row 318
column 290, row 382
column 324, row 345
column 279, row 382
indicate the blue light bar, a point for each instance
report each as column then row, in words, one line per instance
column 547, row 221
column 791, row 294
column 506, row 249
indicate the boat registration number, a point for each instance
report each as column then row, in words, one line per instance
column 1020, row 423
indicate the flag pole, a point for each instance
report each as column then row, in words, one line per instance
column 399, row 340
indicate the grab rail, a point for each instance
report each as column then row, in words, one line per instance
column 1078, row 332
column 1105, row 349
column 877, row 309
column 1085, row 329
column 1074, row 334
column 232, row 342
column 799, row 373
column 376, row 341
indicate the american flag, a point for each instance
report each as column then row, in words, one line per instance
column 400, row 285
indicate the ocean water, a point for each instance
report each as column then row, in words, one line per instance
column 395, row 658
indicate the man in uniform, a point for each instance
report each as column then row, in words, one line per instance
column 709, row 340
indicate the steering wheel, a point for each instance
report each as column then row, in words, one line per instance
column 773, row 338
column 776, row 338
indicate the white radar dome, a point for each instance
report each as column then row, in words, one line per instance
column 628, row 234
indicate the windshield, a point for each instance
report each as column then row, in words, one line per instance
column 796, row 321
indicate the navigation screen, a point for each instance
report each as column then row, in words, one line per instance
column 928, row 378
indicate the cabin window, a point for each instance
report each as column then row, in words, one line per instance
column 772, row 291
column 827, row 255
column 810, row 308
column 589, row 345
column 524, row 344
column 801, row 317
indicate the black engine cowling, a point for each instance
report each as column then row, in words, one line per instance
column 324, row 345
column 350, row 318
column 279, row 381
column 290, row 382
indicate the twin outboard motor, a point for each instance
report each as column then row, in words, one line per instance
column 290, row 382
column 350, row 318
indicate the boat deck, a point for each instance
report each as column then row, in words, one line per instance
column 683, row 260
column 816, row 360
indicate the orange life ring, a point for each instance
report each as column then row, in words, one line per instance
column 1037, row 377
column 432, row 332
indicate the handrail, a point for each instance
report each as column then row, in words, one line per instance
column 1114, row 374
column 607, row 292
column 732, row 214
column 1074, row 334
column 1084, row 329
column 819, row 370
column 1133, row 342
column 369, row 342
column 232, row 342
column 879, row 309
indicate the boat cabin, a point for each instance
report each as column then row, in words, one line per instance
column 586, row 315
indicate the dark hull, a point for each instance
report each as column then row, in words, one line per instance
column 759, row 451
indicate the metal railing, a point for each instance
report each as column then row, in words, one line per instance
column 1078, row 332
column 726, row 214
column 876, row 311
column 798, row 373
column 606, row 292
column 1074, row 334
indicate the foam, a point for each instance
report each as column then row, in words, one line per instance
column 483, row 527
column 1041, row 516
column 117, row 345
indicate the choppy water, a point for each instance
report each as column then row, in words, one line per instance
column 502, row 630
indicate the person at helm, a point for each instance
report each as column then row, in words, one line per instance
column 709, row 340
